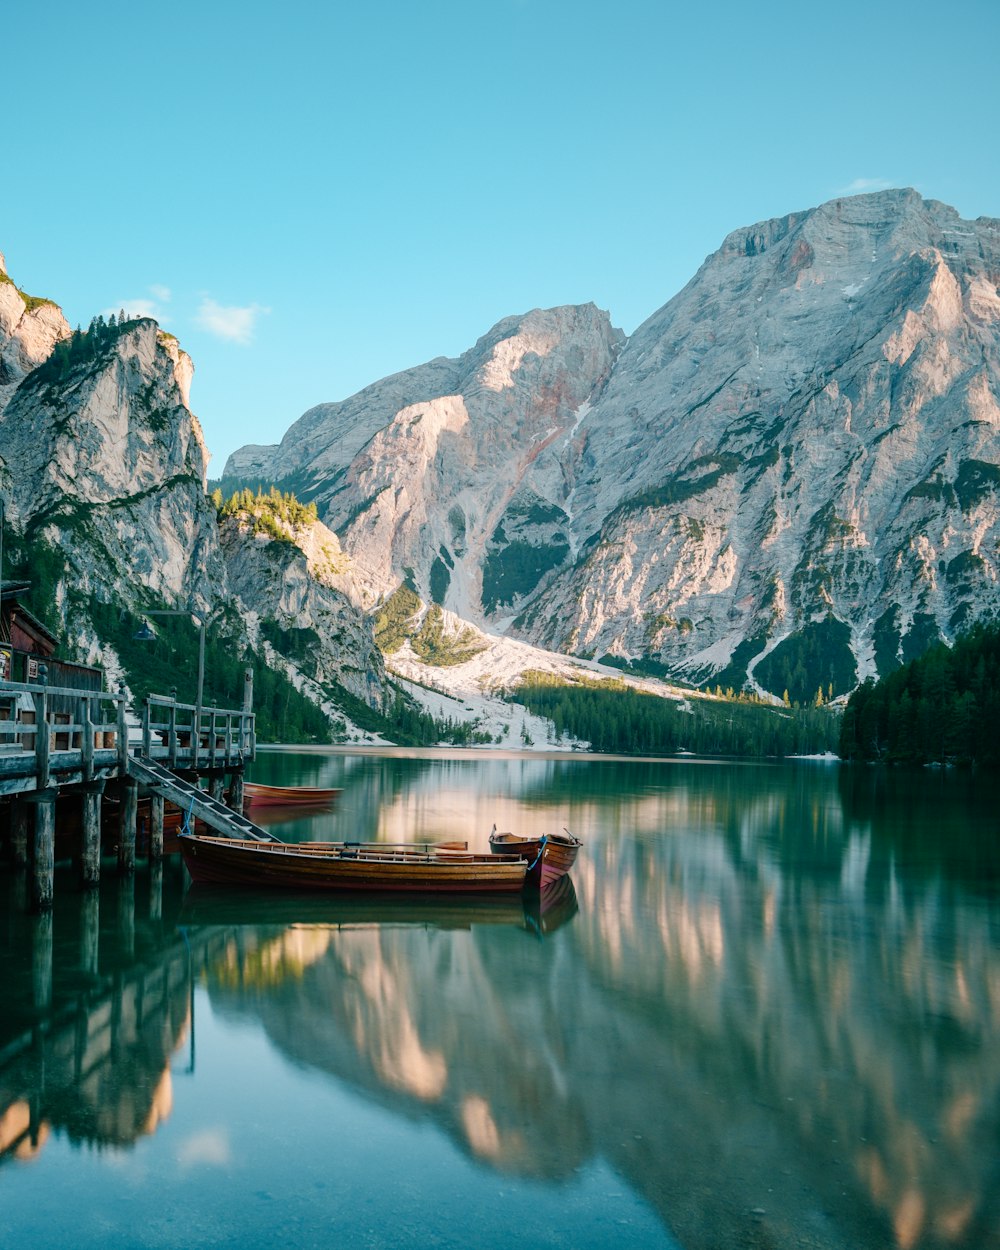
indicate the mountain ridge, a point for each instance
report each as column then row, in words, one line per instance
column 805, row 433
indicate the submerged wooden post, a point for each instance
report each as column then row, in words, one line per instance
column 41, row 961
column 90, row 850
column 126, row 917
column 90, row 930
column 156, row 828
column 43, row 870
column 19, row 831
column 156, row 890
column 126, row 825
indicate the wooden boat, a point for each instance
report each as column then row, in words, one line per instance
column 311, row 796
column 414, row 867
column 549, row 857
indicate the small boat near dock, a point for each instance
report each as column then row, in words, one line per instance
column 549, row 857
column 379, row 866
column 254, row 794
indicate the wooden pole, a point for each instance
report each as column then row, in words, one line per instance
column 90, row 851
column 156, row 831
column 236, row 791
column 43, row 869
column 217, row 786
column 19, row 831
column 126, row 826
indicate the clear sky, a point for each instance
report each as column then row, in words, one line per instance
column 313, row 196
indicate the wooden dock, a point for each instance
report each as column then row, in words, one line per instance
column 57, row 743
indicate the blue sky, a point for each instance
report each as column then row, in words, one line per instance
column 311, row 197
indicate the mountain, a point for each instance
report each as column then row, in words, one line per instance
column 786, row 477
column 102, row 474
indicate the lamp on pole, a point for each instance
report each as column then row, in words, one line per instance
column 146, row 634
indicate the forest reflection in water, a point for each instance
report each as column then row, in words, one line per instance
column 769, row 1001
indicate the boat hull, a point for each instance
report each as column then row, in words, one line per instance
column 556, row 859
column 257, row 795
column 304, row 866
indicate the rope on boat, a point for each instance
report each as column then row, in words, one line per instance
column 541, row 851
column 187, row 828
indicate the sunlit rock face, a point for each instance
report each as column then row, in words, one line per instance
column 106, row 462
column 103, row 462
column 439, row 469
column 808, row 429
column 305, row 584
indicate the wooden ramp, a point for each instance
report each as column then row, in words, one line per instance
column 189, row 798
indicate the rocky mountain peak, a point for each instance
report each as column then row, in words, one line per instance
column 805, row 433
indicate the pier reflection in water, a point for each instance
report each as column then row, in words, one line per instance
column 765, row 1012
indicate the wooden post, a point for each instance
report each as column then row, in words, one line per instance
column 156, row 830
column 19, row 830
column 90, row 930
column 247, row 743
column 43, row 873
column 41, row 700
column 90, row 851
column 172, row 730
column 126, row 826
column 86, row 739
column 122, row 734
column 217, row 786
column 147, row 729
column 236, row 791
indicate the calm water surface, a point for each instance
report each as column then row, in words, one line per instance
column 765, row 1013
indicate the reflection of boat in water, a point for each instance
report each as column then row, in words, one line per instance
column 549, row 857
column 255, row 794
column 219, row 905
column 540, row 912
column 417, row 868
column 551, row 907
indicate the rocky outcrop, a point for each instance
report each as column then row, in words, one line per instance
column 426, row 470
column 102, row 472
column 789, row 472
column 297, row 592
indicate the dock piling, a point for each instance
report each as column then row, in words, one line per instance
column 44, row 859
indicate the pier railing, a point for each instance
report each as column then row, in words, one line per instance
column 42, row 743
column 54, row 736
column 183, row 734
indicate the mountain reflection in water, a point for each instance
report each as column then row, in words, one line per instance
column 768, row 998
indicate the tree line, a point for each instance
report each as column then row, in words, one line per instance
column 940, row 708
column 615, row 717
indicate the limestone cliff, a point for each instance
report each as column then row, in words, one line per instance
column 791, row 468
column 102, row 471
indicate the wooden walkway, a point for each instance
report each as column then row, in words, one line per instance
column 56, row 742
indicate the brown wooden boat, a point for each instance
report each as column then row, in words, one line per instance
column 255, row 793
column 549, row 857
column 405, row 866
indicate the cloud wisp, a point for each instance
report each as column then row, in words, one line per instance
column 860, row 186
column 231, row 322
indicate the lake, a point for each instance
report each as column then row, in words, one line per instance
column 763, row 1012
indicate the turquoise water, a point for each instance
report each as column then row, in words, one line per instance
column 764, row 1013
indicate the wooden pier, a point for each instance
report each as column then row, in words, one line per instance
column 60, row 743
